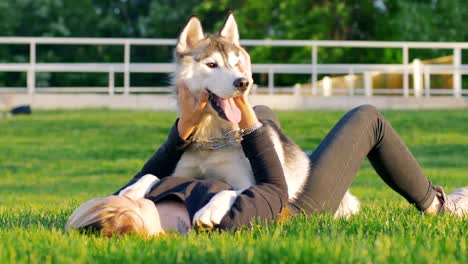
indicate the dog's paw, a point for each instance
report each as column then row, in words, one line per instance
column 349, row 206
column 214, row 211
column 140, row 188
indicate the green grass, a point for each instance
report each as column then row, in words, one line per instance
column 52, row 161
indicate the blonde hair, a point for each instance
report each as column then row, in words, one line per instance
column 107, row 215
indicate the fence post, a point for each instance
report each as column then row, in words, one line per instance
column 351, row 78
column 327, row 86
column 457, row 89
column 427, row 81
column 126, row 90
column 405, row 72
column 111, row 81
column 314, row 70
column 31, row 78
column 271, row 81
column 417, row 80
column 368, row 84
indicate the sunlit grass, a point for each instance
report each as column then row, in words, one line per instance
column 52, row 161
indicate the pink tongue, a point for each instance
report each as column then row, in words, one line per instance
column 233, row 113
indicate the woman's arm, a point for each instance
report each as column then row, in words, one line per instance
column 164, row 161
column 266, row 199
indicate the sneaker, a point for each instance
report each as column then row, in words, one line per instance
column 455, row 203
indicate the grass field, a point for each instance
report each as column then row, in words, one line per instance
column 52, row 161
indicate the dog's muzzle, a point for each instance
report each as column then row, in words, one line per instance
column 241, row 84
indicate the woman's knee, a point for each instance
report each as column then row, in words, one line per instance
column 366, row 111
column 263, row 112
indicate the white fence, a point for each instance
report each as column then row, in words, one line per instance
column 421, row 73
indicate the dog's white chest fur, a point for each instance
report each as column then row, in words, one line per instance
column 227, row 164
column 230, row 165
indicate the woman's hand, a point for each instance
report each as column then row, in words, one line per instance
column 191, row 110
column 249, row 119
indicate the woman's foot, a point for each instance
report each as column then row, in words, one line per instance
column 456, row 203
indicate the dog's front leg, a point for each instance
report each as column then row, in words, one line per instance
column 349, row 206
column 140, row 188
column 212, row 213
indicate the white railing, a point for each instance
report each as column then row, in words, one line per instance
column 421, row 73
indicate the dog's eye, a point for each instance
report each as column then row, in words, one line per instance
column 211, row 65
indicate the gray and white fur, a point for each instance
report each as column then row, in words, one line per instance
column 196, row 56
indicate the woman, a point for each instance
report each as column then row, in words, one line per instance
column 173, row 201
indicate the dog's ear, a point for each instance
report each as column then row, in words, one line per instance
column 230, row 30
column 192, row 33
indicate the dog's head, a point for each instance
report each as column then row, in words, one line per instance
column 211, row 63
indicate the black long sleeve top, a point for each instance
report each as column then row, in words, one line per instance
column 263, row 201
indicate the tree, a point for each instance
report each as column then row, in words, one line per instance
column 412, row 20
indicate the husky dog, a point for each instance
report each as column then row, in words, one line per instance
column 210, row 63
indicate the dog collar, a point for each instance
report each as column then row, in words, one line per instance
column 230, row 138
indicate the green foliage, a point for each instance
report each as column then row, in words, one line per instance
column 399, row 20
column 53, row 161
column 427, row 20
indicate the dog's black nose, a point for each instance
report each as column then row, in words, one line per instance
column 241, row 84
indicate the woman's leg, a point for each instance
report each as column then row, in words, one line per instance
column 362, row 132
